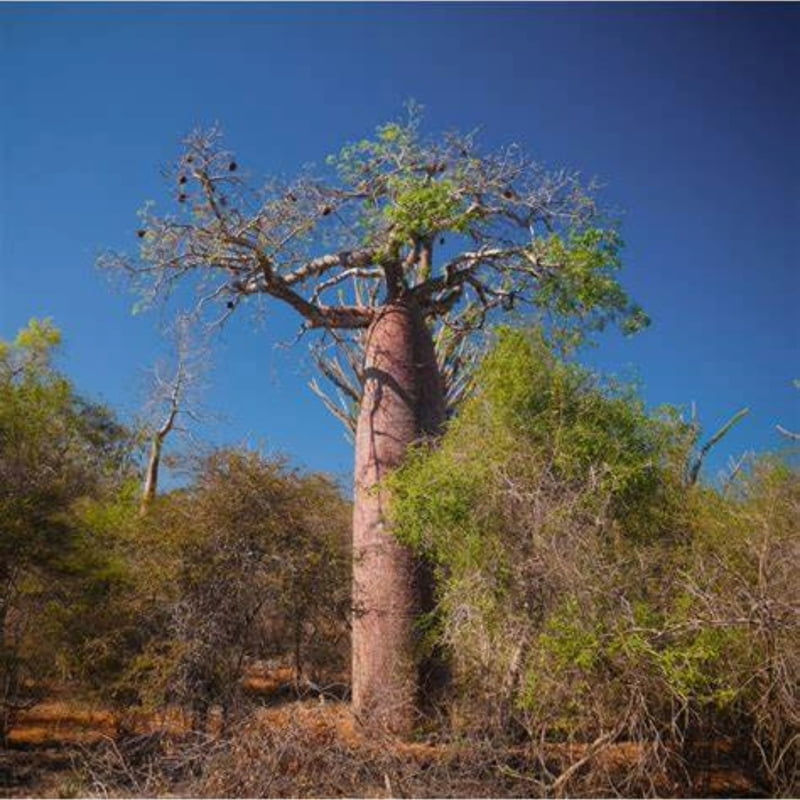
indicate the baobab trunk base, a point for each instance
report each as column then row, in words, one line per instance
column 403, row 402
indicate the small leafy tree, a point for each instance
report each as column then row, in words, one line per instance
column 402, row 241
column 55, row 447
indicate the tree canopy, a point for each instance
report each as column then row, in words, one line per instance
column 461, row 231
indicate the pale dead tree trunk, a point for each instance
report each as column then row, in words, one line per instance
column 173, row 397
column 154, row 460
column 696, row 465
column 403, row 402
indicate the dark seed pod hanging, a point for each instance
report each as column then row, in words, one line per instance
column 141, row 233
column 181, row 198
column 326, row 210
column 233, row 166
column 182, row 180
column 230, row 304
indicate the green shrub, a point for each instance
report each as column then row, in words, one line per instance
column 587, row 590
column 56, row 449
column 248, row 562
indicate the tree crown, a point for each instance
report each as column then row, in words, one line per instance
column 397, row 216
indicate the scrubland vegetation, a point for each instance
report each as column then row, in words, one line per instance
column 613, row 626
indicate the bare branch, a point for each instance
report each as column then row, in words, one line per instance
column 352, row 272
column 787, row 433
column 319, row 266
column 694, row 472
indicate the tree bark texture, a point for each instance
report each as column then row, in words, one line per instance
column 403, row 401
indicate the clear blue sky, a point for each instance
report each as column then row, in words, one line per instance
column 689, row 113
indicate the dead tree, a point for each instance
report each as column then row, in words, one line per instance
column 398, row 241
column 172, row 397
column 696, row 461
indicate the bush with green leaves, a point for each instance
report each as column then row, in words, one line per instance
column 248, row 562
column 56, row 447
column 587, row 590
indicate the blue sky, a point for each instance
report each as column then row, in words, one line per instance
column 688, row 113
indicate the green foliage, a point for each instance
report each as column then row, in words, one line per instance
column 585, row 585
column 580, row 432
column 411, row 199
column 422, row 207
column 582, row 283
column 33, row 344
column 417, row 191
column 248, row 562
column 56, row 448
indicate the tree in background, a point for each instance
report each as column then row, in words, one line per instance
column 173, row 397
column 55, row 448
column 404, row 241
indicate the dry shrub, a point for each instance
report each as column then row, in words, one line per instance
column 744, row 582
column 144, row 765
column 246, row 565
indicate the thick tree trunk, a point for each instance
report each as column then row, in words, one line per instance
column 403, row 401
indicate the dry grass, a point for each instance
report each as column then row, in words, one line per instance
column 65, row 723
column 315, row 748
column 268, row 684
column 61, row 723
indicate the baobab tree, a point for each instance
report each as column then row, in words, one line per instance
column 399, row 241
column 341, row 362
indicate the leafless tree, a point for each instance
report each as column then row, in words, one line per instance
column 401, row 241
column 174, row 395
column 696, row 464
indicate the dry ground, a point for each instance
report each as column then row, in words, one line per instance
column 315, row 748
